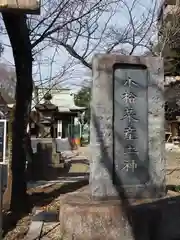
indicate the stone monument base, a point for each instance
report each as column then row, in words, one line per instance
column 82, row 218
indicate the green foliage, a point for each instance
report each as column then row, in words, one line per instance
column 177, row 188
column 47, row 97
column 82, row 99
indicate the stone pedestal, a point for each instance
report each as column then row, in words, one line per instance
column 127, row 154
column 83, row 218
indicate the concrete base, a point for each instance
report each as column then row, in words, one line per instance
column 82, row 218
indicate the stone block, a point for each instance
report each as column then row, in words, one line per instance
column 127, row 95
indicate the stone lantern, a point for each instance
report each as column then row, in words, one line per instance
column 47, row 111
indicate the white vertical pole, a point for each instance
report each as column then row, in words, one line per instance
column 59, row 129
column 28, row 127
column 4, row 139
column 1, row 177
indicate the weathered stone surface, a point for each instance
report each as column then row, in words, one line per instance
column 47, row 164
column 82, row 218
column 106, row 180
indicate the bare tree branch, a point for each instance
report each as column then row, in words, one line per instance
column 83, row 28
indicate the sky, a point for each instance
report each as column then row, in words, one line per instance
column 75, row 74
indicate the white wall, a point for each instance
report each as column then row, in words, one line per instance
column 63, row 98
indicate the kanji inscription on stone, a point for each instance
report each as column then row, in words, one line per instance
column 129, row 97
column 127, row 127
column 129, row 133
column 130, row 115
column 129, row 165
column 131, row 124
column 129, row 82
column 129, row 149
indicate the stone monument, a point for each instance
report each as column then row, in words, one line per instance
column 127, row 127
column 127, row 165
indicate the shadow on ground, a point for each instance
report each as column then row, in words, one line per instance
column 40, row 199
column 50, row 173
column 156, row 220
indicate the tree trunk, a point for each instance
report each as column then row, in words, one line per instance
column 19, row 37
column 7, row 194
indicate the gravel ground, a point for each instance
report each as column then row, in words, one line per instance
column 51, row 203
column 52, row 230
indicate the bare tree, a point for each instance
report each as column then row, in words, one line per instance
column 83, row 28
column 80, row 27
column 21, row 47
column 100, row 31
column 22, row 52
column 168, row 29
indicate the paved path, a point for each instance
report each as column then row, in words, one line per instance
column 40, row 219
column 50, row 219
column 84, row 151
column 75, row 156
